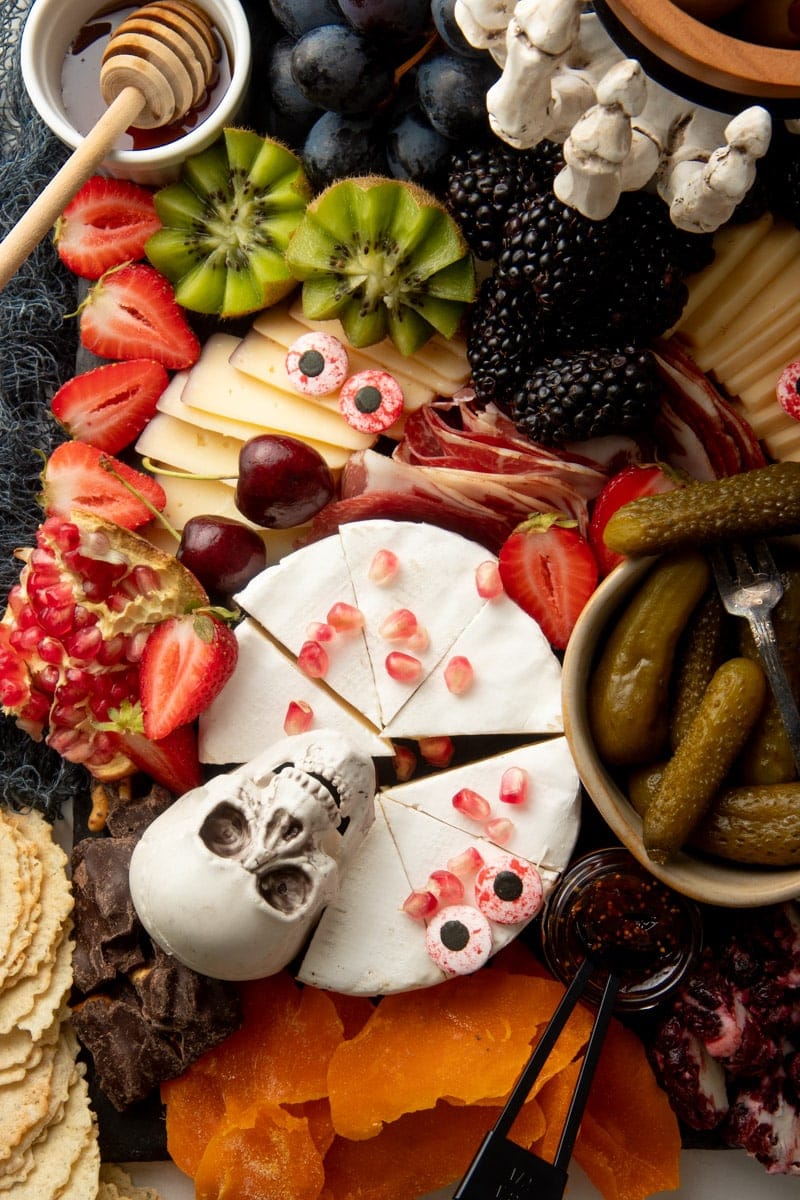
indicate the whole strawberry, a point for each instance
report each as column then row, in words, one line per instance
column 550, row 570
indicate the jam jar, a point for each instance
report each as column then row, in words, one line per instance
column 609, row 907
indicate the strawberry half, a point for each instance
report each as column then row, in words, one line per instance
column 172, row 761
column 131, row 312
column 106, row 224
column 75, row 478
column 629, row 484
column 186, row 662
column 109, row 406
column 549, row 569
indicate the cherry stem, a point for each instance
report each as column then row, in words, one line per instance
column 107, row 465
column 150, row 466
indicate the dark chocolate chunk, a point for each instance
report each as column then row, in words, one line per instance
column 129, row 816
column 108, row 933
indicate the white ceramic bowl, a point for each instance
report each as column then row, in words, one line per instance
column 714, row 881
column 49, row 31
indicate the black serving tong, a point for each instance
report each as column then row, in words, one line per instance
column 503, row 1170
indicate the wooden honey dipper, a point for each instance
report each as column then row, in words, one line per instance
column 156, row 67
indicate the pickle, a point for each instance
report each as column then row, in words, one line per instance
column 755, row 825
column 754, row 503
column 767, row 756
column 629, row 688
column 692, row 777
column 701, row 651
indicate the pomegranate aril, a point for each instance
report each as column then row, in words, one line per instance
column 384, row 567
column 467, row 862
column 144, row 579
column 36, row 708
column 47, row 679
column 398, row 626
column 134, row 648
column 472, row 804
column 26, row 640
column 345, row 618
column 420, row 905
column 64, row 534
column 320, row 631
column 500, row 829
column 419, row 641
column 85, row 643
column 437, row 751
column 488, row 581
column 446, row 886
column 299, row 717
column 514, row 786
column 403, row 668
column 111, row 650
column 458, row 674
column 313, row 660
column 57, row 621
column 51, row 650
column 405, row 763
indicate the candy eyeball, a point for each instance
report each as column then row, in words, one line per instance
column 459, row 939
column 371, row 401
column 509, row 890
column 317, row 364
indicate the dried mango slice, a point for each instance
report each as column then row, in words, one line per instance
column 268, row 1154
column 195, row 1108
column 417, row 1153
column 466, row 1040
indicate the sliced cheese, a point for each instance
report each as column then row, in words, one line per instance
column 545, row 825
column 732, row 245
column 771, row 317
column 515, row 687
column 435, row 580
column 248, row 714
column 213, row 385
column 180, row 444
column 364, row 945
column 301, row 589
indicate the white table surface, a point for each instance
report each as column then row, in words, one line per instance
column 705, row 1175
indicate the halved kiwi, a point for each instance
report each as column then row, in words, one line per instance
column 386, row 258
column 227, row 223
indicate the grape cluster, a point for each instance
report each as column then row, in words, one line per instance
column 389, row 87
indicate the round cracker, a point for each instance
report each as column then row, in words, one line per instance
column 19, row 1051
column 56, row 891
column 24, row 1105
column 66, row 1144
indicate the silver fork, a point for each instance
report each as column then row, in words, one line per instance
column 750, row 586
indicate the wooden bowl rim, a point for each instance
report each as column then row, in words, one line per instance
column 709, row 881
column 714, row 59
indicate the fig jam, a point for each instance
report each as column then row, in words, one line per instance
column 80, row 84
column 611, row 908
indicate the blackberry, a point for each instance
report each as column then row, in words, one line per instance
column 554, row 252
column 589, row 394
column 503, row 341
column 487, row 183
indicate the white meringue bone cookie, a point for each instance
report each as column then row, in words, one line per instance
column 232, row 877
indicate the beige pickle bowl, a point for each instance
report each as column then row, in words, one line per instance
column 709, row 880
column 50, row 30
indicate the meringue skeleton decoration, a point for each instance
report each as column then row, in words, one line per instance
column 232, row 877
column 564, row 79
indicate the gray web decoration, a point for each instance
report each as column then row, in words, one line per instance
column 37, row 354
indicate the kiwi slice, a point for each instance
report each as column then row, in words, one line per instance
column 226, row 224
column 386, row 258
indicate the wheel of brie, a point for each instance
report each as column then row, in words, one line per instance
column 367, row 621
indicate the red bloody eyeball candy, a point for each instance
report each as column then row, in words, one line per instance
column 509, row 890
column 317, row 364
column 459, row 939
column 371, row 401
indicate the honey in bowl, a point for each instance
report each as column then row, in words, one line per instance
column 80, row 84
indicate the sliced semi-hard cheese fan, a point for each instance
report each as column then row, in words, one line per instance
column 300, row 590
column 249, row 713
column 364, row 944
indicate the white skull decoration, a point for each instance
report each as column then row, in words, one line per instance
column 231, row 878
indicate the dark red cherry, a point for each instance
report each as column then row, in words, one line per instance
column 282, row 481
column 222, row 553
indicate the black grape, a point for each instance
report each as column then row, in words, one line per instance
column 288, row 115
column 449, row 30
column 452, row 92
column 338, row 145
column 417, row 151
column 400, row 19
column 298, row 16
column 339, row 70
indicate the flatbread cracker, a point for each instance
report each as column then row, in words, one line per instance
column 116, row 1184
column 31, row 1003
column 84, row 1178
column 65, row 1071
column 31, row 871
column 56, row 890
column 19, row 1051
column 11, row 898
column 56, row 1154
